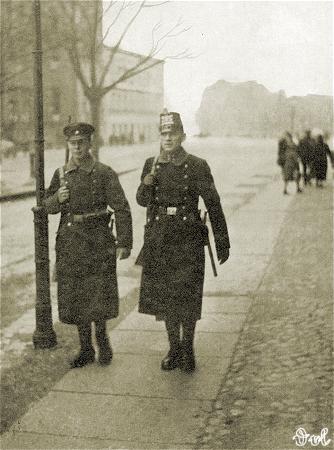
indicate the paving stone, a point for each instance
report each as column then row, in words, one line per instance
column 140, row 375
column 219, row 323
column 226, row 304
column 140, row 342
column 112, row 417
column 36, row 441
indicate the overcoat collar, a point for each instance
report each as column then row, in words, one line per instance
column 177, row 158
column 87, row 165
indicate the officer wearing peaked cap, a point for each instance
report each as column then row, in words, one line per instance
column 86, row 249
column 173, row 253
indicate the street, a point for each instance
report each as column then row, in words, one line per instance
column 249, row 340
column 240, row 167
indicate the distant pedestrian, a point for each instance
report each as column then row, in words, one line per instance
column 322, row 151
column 174, row 240
column 306, row 151
column 288, row 160
column 86, row 249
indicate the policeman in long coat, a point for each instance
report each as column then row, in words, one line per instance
column 86, row 249
column 173, row 253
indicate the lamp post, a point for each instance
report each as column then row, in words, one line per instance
column 44, row 335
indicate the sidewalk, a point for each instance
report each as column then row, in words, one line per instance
column 15, row 172
column 131, row 403
column 281, row 376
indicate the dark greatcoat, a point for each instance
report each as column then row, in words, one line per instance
column 320, row 160
column 86, row 252
column 173, row 251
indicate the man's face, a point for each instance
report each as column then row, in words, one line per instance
column 79, row 148
column 171, row 140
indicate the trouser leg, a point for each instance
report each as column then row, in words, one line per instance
column 87, row 352
column 188, row 360
column 172, row 359
column 173, row 328
column 102, row 339
column 305, row 173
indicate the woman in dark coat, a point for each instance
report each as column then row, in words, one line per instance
column 174, row 239
column 288, row 160
column 322, row 151
column 86, row 249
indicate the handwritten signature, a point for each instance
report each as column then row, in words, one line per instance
column 302, row 438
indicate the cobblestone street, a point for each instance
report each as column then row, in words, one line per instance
column 280, row 377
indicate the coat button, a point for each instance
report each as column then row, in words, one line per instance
column 185, row 188
column 183, row 207
column 69, row 224
column 148, row 220
column 157, row 198
column 186, row 166
column 94, row 181
column 156, row 217
column 157, row 166
column 186, row 176
column 184, row 218
column 184, row 198
column 156, row 188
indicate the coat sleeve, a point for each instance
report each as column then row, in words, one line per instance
column 329, row 154
column 51, row 202
column 118, row 202
column 208, row 192
column 145, row 193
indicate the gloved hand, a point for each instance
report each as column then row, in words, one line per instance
column 63, row 194
column 223, row 255
column 122, row 253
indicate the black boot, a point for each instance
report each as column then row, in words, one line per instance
column 87, row 352
column 188, row 363
column 173, row 358
column 105, row 350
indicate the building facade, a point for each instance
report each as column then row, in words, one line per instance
column 129, row 113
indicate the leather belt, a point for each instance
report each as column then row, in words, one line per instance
column 171, row 212
column 80, row 218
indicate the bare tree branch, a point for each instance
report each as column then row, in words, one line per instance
column 116, row 47
column 129, row 74
column 153, row 5
column 112, row 23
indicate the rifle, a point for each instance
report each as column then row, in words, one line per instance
column 67, row 151
column 208, row 244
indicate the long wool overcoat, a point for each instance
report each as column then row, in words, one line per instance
column 320, row 161
column 173, row 253
column 86, row 251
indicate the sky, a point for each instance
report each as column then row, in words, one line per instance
column 280, row 44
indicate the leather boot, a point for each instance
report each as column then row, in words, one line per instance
column 87, row 352
column 173, row 358
column 105, row 350
column 188, row 363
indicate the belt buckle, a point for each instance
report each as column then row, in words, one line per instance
column 171, row 210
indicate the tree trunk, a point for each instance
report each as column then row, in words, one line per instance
column 95, row 109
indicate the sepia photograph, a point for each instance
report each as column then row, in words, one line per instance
column 167, row 233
